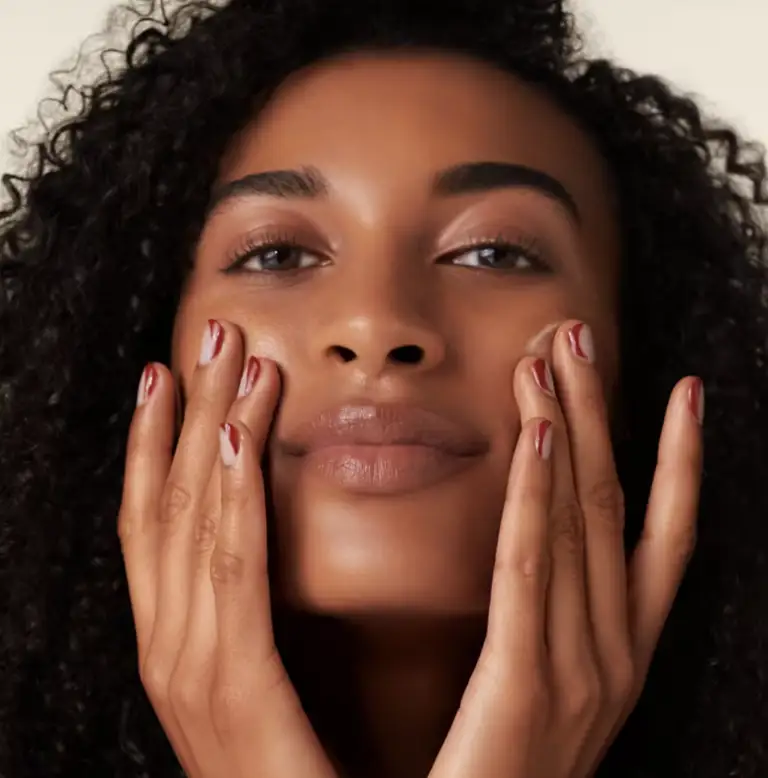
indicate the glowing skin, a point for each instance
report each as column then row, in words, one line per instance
column 379, row 129
column 384, row 307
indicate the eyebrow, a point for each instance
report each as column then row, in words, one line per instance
column 467, row 178
column 486, row 176
column 306, row 182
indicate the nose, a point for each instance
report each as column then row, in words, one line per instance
column 379, row 329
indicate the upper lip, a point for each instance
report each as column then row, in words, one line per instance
column 374, row 424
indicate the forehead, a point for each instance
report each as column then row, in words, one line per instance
column 396, row 117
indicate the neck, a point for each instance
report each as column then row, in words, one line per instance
column 381, row 692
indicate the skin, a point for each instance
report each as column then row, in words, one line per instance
column 385, row 289
column 408, row 581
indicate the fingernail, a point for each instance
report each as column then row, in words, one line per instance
column 146, row 384
column 229, row 444
column 543, row 377
column 582, row 344
column 213, row 339
column 696, row 400
column 544, row 439
column 250, row 374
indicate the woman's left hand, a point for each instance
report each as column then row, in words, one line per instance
column 572, row 625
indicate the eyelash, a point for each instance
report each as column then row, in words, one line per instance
column 528, row 246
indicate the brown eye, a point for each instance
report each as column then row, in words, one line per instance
column 500, row 256
column 274, row 258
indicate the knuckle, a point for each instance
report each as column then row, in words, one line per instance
column 606, row 501
column 568, row 526
column 227, row 569
column 583, row 699
column 176, row 502
column 126, row 524
column 184, row 694
column 154, row 679
column 205, row 531
column 683, row 542
column 528, row 566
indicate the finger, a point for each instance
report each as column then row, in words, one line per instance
column 239, row 562
column 214, row 386
column 148, row 460
column 568, row 634
column 517, row 614
column 202, row 629
column 669, row 533
column 597, row 487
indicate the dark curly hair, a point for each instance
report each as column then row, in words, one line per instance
column 94, row 249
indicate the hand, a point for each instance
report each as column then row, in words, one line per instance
column 193, row 532
column 571, row 627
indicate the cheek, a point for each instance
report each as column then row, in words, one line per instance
column 262, row 331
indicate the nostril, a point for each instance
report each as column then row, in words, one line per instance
column 342, row 353
column 407, row 355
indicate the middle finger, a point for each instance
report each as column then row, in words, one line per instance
column 568, row 637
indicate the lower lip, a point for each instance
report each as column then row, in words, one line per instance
column 385, row 469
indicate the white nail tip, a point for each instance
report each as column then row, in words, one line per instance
column 545, row 443
column 208, row 346
column 141, row 396
column 587, row 343
column 228, row 455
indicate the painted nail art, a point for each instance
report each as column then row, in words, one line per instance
column 146, row 384
column 213, row 339
column 543, row 377
column 250, row 374
column 582, row 343
column 229, row 444
column 696, row 400
column 544, row 439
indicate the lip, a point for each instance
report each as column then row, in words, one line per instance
column 383, row 449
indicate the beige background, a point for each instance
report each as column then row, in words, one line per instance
column 709, row 47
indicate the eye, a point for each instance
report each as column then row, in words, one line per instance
column 272, row 255
column 522, row 257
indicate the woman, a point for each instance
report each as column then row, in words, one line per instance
column 434, row 270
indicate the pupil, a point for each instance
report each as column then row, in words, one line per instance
column 488, row 255
column 277, row 256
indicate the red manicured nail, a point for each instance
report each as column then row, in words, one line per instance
column 543, row 377
column 146, row 384
column 250, row 374
column 696, row 400
column 229, row 444
column 544, row 439
column 213, row 340
column 582, row 343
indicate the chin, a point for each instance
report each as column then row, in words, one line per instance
column 427, row 553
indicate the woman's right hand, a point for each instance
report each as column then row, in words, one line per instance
column 193, row 533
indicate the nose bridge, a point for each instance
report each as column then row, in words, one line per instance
column 382, row 317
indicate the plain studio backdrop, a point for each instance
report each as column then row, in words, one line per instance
column 712, row 49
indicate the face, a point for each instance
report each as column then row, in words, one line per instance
column 393, row 230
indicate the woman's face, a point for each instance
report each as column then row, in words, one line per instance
column 396, row 324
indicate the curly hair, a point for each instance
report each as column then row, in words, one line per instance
column 95, row 245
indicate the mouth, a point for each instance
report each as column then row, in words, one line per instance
column 383, row 449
